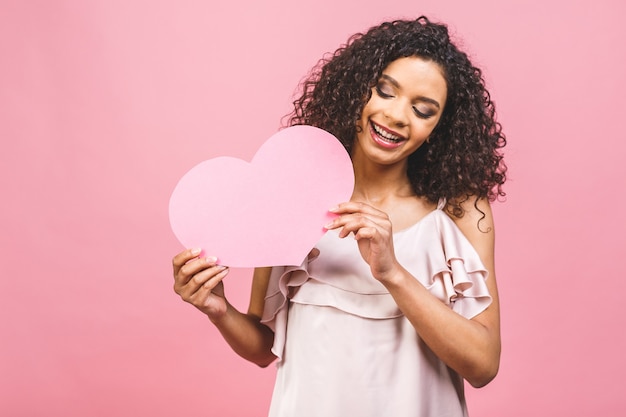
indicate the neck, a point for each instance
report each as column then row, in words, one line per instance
column 377, row 183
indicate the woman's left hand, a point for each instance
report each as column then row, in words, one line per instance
column 372, row 230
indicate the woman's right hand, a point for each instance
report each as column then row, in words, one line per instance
column 198, row 281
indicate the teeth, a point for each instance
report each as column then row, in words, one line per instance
column 385, row 135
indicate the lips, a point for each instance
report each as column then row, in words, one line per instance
column 384, row 137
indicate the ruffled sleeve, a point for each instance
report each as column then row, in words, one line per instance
column 284, row 281
column 459, row 278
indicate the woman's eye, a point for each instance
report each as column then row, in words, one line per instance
column 384, row 91
column 423, row 114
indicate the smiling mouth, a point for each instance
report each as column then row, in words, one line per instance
column 385, row 135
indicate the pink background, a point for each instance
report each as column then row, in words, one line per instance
column 105, row 104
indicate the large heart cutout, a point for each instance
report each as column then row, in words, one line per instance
column 270, row 211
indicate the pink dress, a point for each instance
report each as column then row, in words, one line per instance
column 345, row 349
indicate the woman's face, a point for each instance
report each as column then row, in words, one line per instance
column 405, row 106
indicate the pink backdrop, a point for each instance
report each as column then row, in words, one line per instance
column 105, row 104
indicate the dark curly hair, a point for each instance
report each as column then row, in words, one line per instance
column 462, row 158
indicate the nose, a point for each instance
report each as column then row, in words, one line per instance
column 396, row 112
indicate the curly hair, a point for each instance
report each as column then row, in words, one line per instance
column 462, row 158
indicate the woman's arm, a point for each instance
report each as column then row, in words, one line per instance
column 199, row 282
column 245, row 333
column 470, row 347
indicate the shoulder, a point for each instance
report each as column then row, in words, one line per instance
column 477, row 214
column 477, row 224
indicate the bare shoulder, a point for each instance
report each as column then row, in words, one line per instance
column 477, row 225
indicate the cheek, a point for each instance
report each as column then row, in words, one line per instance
column 373, row 105
column 432, row 124
column 423, row 130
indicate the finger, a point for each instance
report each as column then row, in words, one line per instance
column 212, row 282
column 187, row 290
column 202, row 294
column 205, row 275
column 192, row 268
column 183, row 257
column 358, row 207
column 367, row 233
column 354, row 223
column 356, row 211
column 196, row 265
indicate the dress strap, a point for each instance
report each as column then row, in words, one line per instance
column 442, row 203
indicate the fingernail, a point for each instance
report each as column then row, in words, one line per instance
column 211, row 259
column 196, row 251
column 334, row 209
column 328, row 225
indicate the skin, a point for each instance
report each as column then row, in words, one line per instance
column 407, row 104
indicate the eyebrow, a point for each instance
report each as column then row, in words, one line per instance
column 421, row 98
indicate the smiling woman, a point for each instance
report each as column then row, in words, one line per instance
column 404, row 108
column 392, row 320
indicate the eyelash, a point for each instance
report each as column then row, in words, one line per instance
column 418, row 113
column 380, row 92
column 421, row 115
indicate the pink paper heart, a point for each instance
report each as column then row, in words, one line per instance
column 270, row 211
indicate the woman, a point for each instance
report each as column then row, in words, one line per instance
column 397, row 304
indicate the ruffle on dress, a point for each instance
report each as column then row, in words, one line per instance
column 434, row 250
column 463, row 277
column 283, row 280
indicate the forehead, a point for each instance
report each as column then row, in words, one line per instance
column 418, row 75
